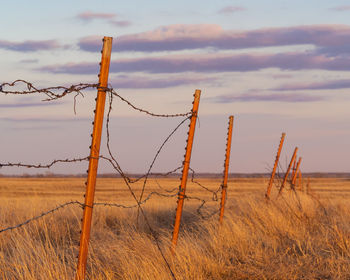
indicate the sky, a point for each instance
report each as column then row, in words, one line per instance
column 277, row 66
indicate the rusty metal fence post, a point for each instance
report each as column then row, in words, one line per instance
column 294, row 167
column 288, row 170
column 226, row 167
column 94, row 156
column 186, row 165
column 269, row 186
column 294, row 179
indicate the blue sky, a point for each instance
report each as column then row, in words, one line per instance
column 278, row 66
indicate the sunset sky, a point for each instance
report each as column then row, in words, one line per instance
column 277, row 66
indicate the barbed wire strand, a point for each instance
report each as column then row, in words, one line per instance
column 119, row 170
column 61, row 206
column 48, row 91
column 49, row 165
column 57, row 92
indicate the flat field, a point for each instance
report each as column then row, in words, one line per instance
column 297, row 236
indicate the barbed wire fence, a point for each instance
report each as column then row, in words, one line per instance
column 22, row 87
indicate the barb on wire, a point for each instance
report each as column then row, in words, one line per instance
column 9, row 164
column 61, row 206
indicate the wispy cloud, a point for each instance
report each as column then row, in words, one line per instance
column 71, row 68
column 29, row 46
column 198, row 36
column 210, row 63
column 89, row 16
column 134, row 81
column 120, row 23
column 336, row 84
column 34, row 104
column 289, row 98
column 341, row 8
column 231, row 9
column 44, row 120
column 29, row 61
column 110, row 18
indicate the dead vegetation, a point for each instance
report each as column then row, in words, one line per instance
column 295, row 237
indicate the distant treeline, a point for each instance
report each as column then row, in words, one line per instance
column 177, row 175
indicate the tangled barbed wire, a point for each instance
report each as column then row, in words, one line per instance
column 58, row 92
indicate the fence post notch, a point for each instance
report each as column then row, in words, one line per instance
column 93, row 160
column 269, row 186
column 186, row 165
column 226, row 167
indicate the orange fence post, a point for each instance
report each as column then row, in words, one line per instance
column 288, row 170
column 269, row 186
column 94, row 156
column 186, row 165
column 294, row 179
column 226, row 166
column 294, row 168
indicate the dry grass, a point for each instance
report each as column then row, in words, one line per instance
column 290, row 238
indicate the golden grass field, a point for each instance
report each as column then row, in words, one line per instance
column 295, row 237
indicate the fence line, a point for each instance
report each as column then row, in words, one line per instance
column 57, row 92
column 54, row 93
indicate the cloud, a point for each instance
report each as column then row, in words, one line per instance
column 108, row 17
column 289, row 98
column 162, row 82
column 210, row 63
column 29, row 46
column 71, row 68
column 341, row 8
column 45, row 120
column 120, row 23
column 231, row 9
column 198, row 36
column 26, row 105
column 89, row 16
column 337, row 84
column 29, row 61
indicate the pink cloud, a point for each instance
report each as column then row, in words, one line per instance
column 132, row 81
column 341, row 8
column 329, row 39
column 120, row 23
column 210, row 63
column 109, row 17
column 276, row 97
column 231, row 9
column 30, row 45
column 88, row 16
column 335, row 84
